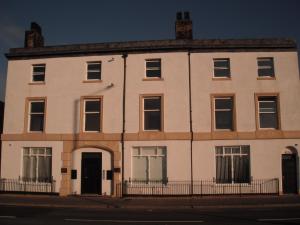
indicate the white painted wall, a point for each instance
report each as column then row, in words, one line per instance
column 106, row 165
column 244, row 84
column 63, row 88
column 265, row 157
column 178, row 158
column 12, row 154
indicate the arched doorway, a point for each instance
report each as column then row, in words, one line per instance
column 289, row 170
column 92, row 171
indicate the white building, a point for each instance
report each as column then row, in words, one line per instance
column 206, row 116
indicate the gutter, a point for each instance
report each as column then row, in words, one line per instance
column 124, row 56
column 191, row 122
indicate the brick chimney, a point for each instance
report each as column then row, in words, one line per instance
column 183, row 26
column 34, row 37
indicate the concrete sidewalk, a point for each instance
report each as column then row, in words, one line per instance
column 101, row 202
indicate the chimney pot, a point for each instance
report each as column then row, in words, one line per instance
column 179, row 16
column 183, row 27
column 34, row 37
column 186, row 15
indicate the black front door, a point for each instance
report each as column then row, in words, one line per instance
column 91, row 168
column 289, row 175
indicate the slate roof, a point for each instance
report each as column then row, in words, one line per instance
column 200, row 45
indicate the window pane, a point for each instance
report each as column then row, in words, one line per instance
column 44, row 169
column 156, row 169
column 268, row 120
column 152, row 103
column 236, row 150
column 224, row 120
column 139, row 168
column 153, row 63
column 94, row 75
column 33, row 165
column 246, row 149
column 149, row 151
column 241, row 169
column 26, row 151
column 269, row 106
column 39, row 69
column 135, row 151
column 40, row 77
column 222, row 73
column 266, row 72
column 92, row 106
column 37, row 122
column 223, row 103
column 92, row 122
column 219, row 150
column 26, row 168
column 153, row 73
column 152, row 120
column 223, row 169
column 37, row 107
column 221, row 63
column 48, row 151
column 94, row 66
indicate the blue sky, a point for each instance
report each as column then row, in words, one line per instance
column 92, row 21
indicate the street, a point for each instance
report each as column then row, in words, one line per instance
column 34, row 215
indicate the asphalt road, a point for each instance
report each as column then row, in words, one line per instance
column 14, row 215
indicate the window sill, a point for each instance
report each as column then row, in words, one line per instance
column 153, row 79
column 221, row 78
column 37, row 83
column 92, row 81
column 266, row 78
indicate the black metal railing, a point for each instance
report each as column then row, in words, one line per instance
column 201, row 187
column 27, row 185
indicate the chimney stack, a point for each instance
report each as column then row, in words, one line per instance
column 34, row 37
column 183, row 26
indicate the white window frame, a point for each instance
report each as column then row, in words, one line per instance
column 231, row 159
column 38, row 73
column 221, row 67
column 153, row 68
column 88, row 70
column 140, row 150
column 152, row 110
column 37, row 155
column 99, row 100
column 271, row 112
column 223, row 110
column 36, row 113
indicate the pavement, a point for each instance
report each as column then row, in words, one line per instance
column 102, row 202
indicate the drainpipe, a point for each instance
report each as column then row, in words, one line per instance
column 191, row 122
column 124, row 56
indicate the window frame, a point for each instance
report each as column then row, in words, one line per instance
column 257, row 109
column 153, row 68
column 32, row 81
column 213, row 111
column 267, row 77
column 87, row 71
column 142, row 112
column 148, row 165
column 228, row 77
column 231, row 160
column 37, row 155
column 27, row 116
column 84, row 99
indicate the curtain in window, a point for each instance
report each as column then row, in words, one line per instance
column 156, row 170
column 224, row 169
column 139, row 168
column 241, row 169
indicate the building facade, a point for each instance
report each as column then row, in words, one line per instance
column 153, row 113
